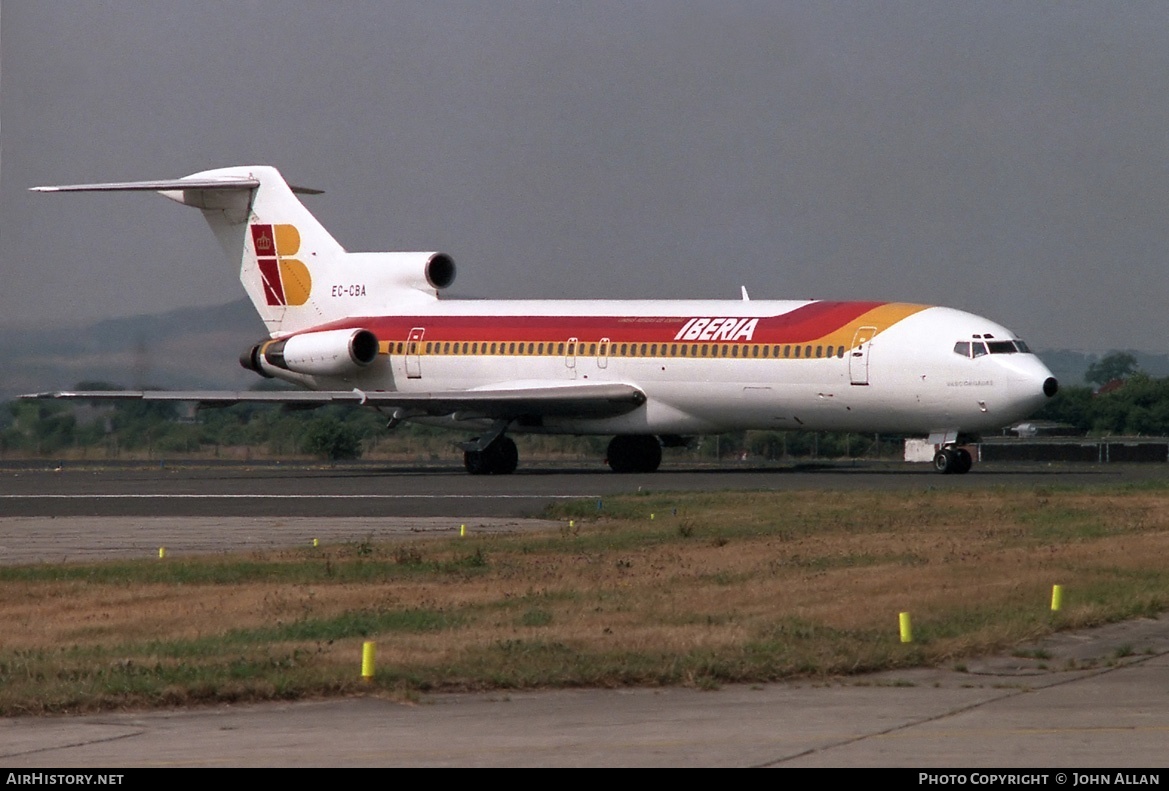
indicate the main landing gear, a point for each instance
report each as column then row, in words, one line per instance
column 634, row 453
column 953, row 461
column 498, row 458
column 627, row 453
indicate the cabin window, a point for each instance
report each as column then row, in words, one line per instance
column 787, row 351
column 493, row 348
column 819, row 352
column 592, row 349
column 624, row 349
column 655, row 351
column 705, row 349
column 797, row 354
column 808, row 351
column 571, row 349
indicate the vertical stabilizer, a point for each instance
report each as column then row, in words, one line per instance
column 297, row 275
column 279, row 245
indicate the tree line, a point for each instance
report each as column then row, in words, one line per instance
column 1126, row 401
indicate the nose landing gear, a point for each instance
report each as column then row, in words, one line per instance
column 953, row 461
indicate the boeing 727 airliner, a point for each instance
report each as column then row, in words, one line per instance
column 370, row 329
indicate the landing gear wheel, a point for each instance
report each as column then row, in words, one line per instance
column 945, row 461
column 965, row 462
column 953, row 461
column 499, row 458
column 634, row 453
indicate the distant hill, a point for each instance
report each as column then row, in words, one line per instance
column 185, row 348
column 200, row 347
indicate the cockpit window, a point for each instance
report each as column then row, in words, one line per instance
column 978, row 348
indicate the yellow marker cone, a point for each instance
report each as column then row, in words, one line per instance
column 368, row 659
column 906, row 628
column 161, row 553
column 316, row 543
column 1056, row 598
column 651, row 517
column 462, row 530
column 572, row 523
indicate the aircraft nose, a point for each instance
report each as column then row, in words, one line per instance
column 1050, row 386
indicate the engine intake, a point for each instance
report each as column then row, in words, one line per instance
column 440, row 271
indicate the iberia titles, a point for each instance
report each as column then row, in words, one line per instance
column 717, row 329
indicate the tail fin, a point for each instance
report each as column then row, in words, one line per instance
column 296, row 274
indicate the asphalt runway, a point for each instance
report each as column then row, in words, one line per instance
column 1098, row 698
column 372, row 490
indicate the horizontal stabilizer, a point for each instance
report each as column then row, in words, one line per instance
column 170, row 184
column 589, row 401
column 156, row 186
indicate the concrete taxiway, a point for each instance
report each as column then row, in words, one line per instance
column 1097, row 698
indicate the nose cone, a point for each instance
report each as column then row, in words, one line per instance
column 1031, row 384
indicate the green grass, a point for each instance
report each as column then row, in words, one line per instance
column 717, row 588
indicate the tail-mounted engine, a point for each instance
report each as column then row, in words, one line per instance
column 396, row 276
column 328, row 353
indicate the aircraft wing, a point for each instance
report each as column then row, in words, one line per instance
column 582, row 401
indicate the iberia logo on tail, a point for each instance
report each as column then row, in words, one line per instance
column 286, row 280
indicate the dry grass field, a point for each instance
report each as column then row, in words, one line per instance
column 694, row 589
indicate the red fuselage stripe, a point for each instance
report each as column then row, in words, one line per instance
column 804, row 324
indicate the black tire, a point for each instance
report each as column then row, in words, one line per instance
column 945, row 461
column 634, row 453
column 505, row 457
column 964, row 462
column 501, row 457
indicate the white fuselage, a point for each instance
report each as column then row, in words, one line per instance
column 884, row 367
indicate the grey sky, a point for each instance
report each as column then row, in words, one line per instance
column 1005, row 158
